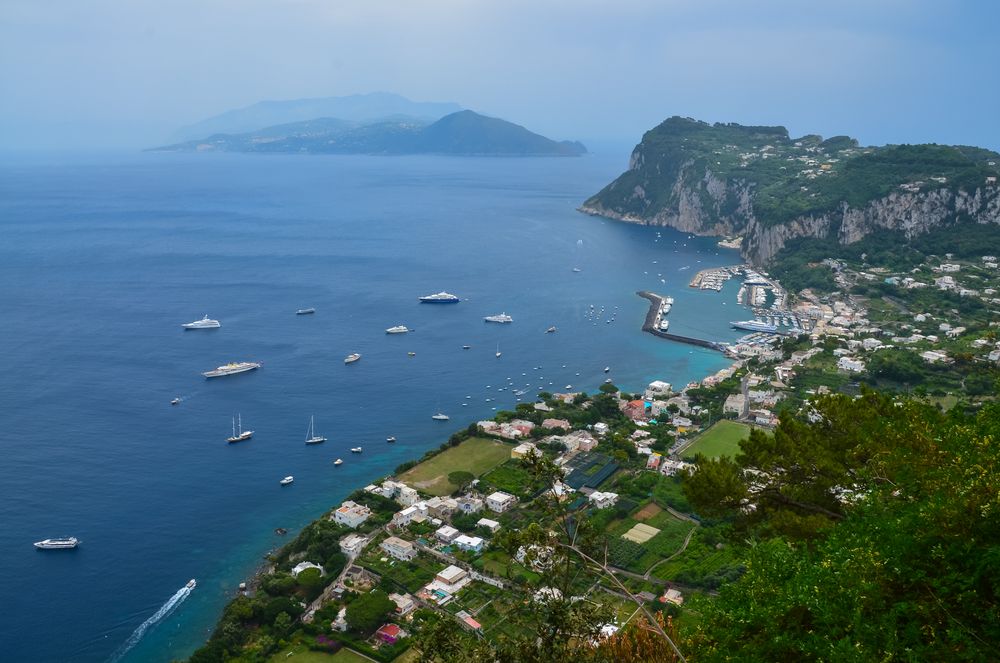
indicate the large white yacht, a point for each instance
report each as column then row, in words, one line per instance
column 232, row 368
column 242, row 434
column 501, row 318
column 58, row 544
column 398, row 329
column 440, row 298
column 204, row 323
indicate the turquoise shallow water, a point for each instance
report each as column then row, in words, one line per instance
column 102, row 257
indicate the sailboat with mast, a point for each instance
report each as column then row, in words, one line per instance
column 311, row 436
column 498, row 351
column 242, row 434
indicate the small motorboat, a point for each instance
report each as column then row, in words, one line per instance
column 191, row 584
column 176, row 401
column 355, row 450
column 411, row 354
column 550, row 330
column 466, row 347
column 351, row 358
column 280, row 531
column 338, row 462
column 607, row 369
column 305, row 311
column 287, row 480
column 390, row 439
column 440, row 416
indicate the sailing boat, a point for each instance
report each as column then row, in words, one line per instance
column 498, row 351
column 243, row 434
column 311, row 436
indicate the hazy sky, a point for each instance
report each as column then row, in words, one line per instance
column 127, row 72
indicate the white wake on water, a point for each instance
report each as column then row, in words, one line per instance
column 160, row 614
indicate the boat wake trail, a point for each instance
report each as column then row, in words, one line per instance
column 160, row 614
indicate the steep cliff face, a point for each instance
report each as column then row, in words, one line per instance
column 910, row 213
column 727, row 179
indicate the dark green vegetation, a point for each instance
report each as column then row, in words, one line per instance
column 461, row 133
column 877, row 537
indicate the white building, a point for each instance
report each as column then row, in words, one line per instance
column 524, row 449
column 469, row 504
column 470, row 543
column 404, row 603
column 446, row 534
column 352, row 544
column 850, row 364
column 500, row 501
column 491, row 525
column 399, row 548
column 351, row 514
column 603, row 500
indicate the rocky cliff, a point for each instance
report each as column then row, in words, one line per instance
column 727, row 179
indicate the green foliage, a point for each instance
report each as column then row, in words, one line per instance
column 367, row 612
column 461, row 480
column 906, row 570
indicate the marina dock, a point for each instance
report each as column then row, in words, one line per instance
column 655, row 301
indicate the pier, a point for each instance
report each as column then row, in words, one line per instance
column 650, row 325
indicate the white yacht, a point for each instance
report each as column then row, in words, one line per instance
column 398, row 329
column 440, row 298
column 232, row 368
column 311, row 436
column 242, row 434
column 305, row 311
column 440, row 416
column 287, row 480
column 338, row 462
column 502, row 318
column 64, row 543
column 356, row 450
column 204, row 323
column 351, row 358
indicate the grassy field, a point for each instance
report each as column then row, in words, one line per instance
column 299, row 654
column 722, row 439
column 477, row 455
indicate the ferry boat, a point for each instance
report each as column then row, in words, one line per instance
column 356, row 450
column 502, row 318
column 440, row 298
column 305, row 311
column 755, row 325
column 242, row 435
column 440, row 417
column 232, row 368
column 204, row 323
column 287, row 480
column 351, row 358
column 338, row 462
column 311, row 436
column 398, row 329
column 64, row 543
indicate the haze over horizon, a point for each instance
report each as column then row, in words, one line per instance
column 126, row 75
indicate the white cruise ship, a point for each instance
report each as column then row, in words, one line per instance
column 398, row 329
column 232, row 369
column 58, row 544
column 204, row 323
column 440, row 298
column 502, row 318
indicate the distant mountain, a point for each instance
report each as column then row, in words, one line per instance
column 461, row 133
column 364, row 108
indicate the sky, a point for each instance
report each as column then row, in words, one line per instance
column 125, row 74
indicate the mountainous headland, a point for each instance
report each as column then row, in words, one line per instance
column 463, row 133
column 759, row 182
column 361, row 108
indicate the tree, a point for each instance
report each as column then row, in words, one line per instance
column 906, row 564
column 461, row 480
column 282, row 623
column 367, row 612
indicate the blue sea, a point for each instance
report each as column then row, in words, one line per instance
column 104, row 256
